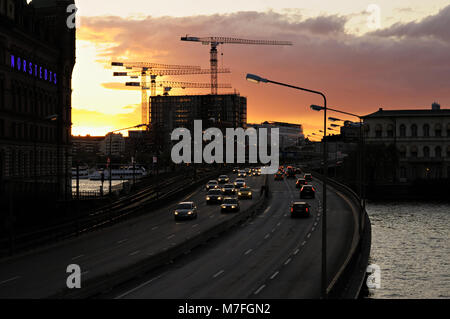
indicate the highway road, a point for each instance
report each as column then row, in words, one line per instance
column 42, row 273
column 271, row 256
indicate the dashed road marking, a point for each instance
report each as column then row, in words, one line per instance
column 137, row 288
column 288, row 261
column 274, row 275
column 309, row 235
column 9, row 280
column 304, row 243
column 260, row 289
column 296, row 251
column 171, row 236
column 267, row 209
column 134, row 253
column 219, row 273
column 248, row 251
column 122, row 241
column 77, row 257
column 267, row 236
column 194, row 225
column 155, row 228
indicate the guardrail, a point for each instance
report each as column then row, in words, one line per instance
column 339, row 286
column 119, row 210
column 108, row 281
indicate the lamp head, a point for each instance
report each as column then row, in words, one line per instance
column 255, row 78
column 316, row 108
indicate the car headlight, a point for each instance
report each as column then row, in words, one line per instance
column 223, row 206
column 250, row 193
column 190, row 213
column 239, row 193
column 208, row 198
column 233, row 207
column 176, row 213
column 219, row 198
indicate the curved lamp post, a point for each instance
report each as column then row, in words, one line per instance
column 257, row 79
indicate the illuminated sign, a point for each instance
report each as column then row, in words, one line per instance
column 38, row 71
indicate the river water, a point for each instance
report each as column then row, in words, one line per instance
column 411, row 244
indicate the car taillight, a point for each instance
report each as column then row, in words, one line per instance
column 302, row 189
column 313, row 189
column 292, row 209
column 307, row 209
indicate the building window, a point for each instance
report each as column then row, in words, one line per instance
column 438, row 152
column 402, row 130
column 426, row 130
column 414, row 130
column 390, row 131
column 402, row 172
column 438, row 130
column 414, row 151
column 378, row 131
column 426, row 152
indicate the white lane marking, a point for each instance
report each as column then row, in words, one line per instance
column 189, row 196
column 194, row 225
column 315, row 224
column 267, row 236
column 77, row 257
column 137, row 288
column 296, row 251
column 309, row 235
column 260, row 289
column 85, row 272
column 248, row 251
column 171, row 236
column 219, row 273
column 155, row 228
column 279, row 224
column 273, row 230
column 313, row 229
column 274, row 275
column 134, row 253
column 304, row 243
column 9, row 280
column 122, row 241
column 267, row 209
column 212, row 216
column 288, row 261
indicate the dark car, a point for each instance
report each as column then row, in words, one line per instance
column 300, row 209
column 229, row 189
column 279, row 176
column 308, row 177
column 230, row 205
column 223, row 179
column 298, row 170
column 185, row 210
column 235, row 170
column 307, row 191
column 212, row 184
column 300, row 182
column 239, row 183
column 214, row 196
column 245, row 193
column 290, row 173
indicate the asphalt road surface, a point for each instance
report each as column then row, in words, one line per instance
column 42, row 273
column 272, row 256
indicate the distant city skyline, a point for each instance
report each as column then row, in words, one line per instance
column 404, row 64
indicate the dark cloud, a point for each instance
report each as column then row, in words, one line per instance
column 403, row 66
column 435, row 26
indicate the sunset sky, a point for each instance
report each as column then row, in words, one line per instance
column 405, row 63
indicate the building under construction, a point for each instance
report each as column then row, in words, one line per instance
column 171, row 112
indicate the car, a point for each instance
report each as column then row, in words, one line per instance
column 290, row 173
column 279, row 176
column 214, row 196
column 245, row 193
column 229, row 189
column 185, row 210
column 298, row 170
column 300, row 209
column 307, row 191
column 235, row 170
column 308, row 177
column 300, row 182
column 230, row 205
column 248, row 171
column 239, row 183
column 257, row 173
column 242, row 173
column 212, row 184
column 223, row 179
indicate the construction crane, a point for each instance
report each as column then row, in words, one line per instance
column 215, row 41
column 143, row 70
column 169, row 85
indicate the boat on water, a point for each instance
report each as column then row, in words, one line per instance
column 83, row 172
column 123, row 173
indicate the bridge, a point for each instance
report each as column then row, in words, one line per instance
column 259, row 252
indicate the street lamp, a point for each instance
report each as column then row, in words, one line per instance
column 361, row 152
column 257, row 79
